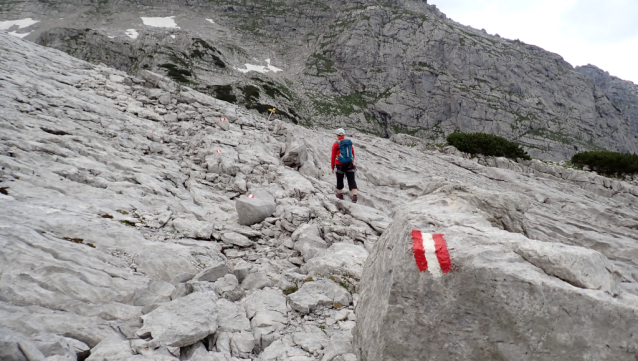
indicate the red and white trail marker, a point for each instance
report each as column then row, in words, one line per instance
column 219, row 151
column 222, row 119
column 431, row 253
column 251, row 196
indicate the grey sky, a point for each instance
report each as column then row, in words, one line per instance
column 603, row 33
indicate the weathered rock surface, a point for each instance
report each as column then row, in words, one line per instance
column 182, row 322
column 316, row 294
column 340, row 259
column 490, row 305
column 254, row 210
column 102, row 204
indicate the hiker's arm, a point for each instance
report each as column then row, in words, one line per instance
column 332, row 158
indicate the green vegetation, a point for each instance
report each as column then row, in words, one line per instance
column 223, row 92
column 177, row 74
column 605, row 162
column 79, row 241
column 290, row 290
column 486, row 144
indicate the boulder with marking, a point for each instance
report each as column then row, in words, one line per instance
column 254, row 209
column 444, row 283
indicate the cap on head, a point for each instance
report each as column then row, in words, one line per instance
column 340, row 131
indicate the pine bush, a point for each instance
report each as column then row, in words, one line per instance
column 487, row 145
column 609, row 163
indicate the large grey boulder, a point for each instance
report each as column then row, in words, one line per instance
column 504, row 293
column 253, row 210
column 182, row 322
column 296, row 152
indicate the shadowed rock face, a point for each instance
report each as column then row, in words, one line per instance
column 381, row 67
column 120, row 236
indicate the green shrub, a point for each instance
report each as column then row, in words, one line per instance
column 609, row 163
column 486, row 144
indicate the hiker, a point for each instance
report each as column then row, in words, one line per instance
column 343, row 159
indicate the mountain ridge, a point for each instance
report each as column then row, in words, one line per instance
column 382, row 67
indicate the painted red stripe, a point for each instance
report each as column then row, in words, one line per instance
column 419, row 251
column 442, row 253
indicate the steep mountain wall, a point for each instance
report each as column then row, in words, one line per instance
column 382, row 67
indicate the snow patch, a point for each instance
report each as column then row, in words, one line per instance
column 19, row 35
column 111, row 37
column 173, row 36
column 210, row 21
column 23, row 23
column 131, row 33
column 259, row 68
column 167, row 22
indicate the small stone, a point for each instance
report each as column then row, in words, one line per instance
column 212, row 273
column 236, row 239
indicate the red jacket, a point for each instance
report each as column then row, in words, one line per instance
column 335, row 154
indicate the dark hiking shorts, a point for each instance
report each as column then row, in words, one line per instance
column 347, row 170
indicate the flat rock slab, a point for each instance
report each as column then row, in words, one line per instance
column 323, row 293
column 339, row 259
column 236, row 239
column 182, row 322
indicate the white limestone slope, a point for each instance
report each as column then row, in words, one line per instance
column 117, row 218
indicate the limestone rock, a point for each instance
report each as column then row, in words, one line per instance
column 321, row 293
column 253, row 210
column 339, row 259
column 256, row 281
column 490, row 287
column 310, row 246
column 182, row 322
column 236, row 239
column 213, row 273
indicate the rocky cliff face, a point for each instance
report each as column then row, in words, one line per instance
column 126, row 232
column 382, row 67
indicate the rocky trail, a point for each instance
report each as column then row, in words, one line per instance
column 128, row 230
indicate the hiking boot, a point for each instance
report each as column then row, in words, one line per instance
column 340, row 196
column 354, row 199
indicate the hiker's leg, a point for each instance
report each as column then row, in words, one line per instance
column 352, row 183
column 339, row 180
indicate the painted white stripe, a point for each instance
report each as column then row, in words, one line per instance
column 430, row 255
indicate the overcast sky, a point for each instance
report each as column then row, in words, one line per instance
column 599, row 32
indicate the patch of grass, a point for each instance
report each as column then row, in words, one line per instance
column 337, row 305
column 486, row 144
column 122, row 212
column 79, row 241
column 290, row 290
column 309, row 279
column 106, row 216
column 128, row 223
column 606, row 162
